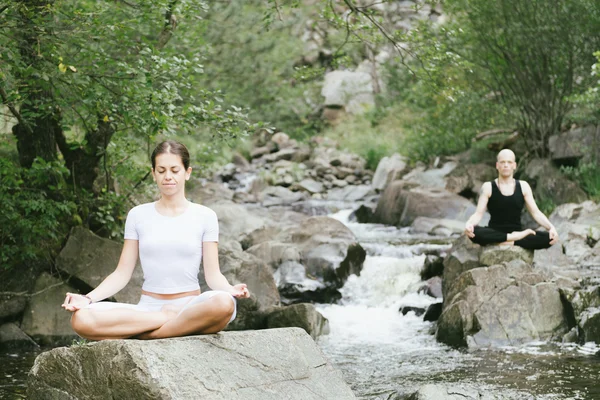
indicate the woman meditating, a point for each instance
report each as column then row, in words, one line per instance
column 171, row 236
column 504, row 198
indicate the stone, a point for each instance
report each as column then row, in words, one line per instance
column 350, row 193
column 363, row 214
column 301, row 315
column 437, row 226
column 450, row 392
column 505, row 304
column 259, row 151
column 274, row 253
column 351, row 90
column 400, row 205
column 208, row 193
column 549, row 183
column 579, row 143
column 497, row 254
column 11, row 306
column 235, row 220
column 432, row 287
column 418, row 311
column 589, row 325
column 240, row 161
column 280, row 139
column 311, row 186
column 463, row 256
column 278, row 196
column 433, row 312
column 91, row 259
column 433, row 178
column 283, row 154
column 329, row 250
column 11, row 337
column 432, row 266
column 44, row 320
column 466, row 179
column 267, row 364
column 388, row 169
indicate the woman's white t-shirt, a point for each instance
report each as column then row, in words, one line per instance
column 170, row 248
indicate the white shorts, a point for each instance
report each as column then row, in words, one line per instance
column 148, row 303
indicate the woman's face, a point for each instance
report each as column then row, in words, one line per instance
column 170, row 174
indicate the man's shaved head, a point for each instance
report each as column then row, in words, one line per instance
column 506, row 153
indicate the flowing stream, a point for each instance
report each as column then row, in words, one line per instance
column 386, row 355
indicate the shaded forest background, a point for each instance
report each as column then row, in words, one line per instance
column 88, row 88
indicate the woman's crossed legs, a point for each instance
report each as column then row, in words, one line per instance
column 153, row 318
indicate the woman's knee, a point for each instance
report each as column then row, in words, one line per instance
column 223, row 304
column 84, row 323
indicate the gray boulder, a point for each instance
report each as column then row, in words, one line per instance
column 44, row 320
column 350, row 193
column 11, row 306
column 208, row 193
column 91, row 258
column 11, row 337
column 433, row 178
column 589, row 325
column 400, row 205
column 493, row 255
column 301, row 315
column 279, row 196
column 549, row 183
column 351, row 90
column 463, row 256
column 268, row 364
column 437, row 226
column 274, row 253
column 236, row 220
column 466, row 179
column 388, row 170
column 579, row 143
column 505, row 304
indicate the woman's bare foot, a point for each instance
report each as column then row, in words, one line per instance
column 518, row 235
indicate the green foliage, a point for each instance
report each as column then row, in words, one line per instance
column 530, row 54
column 587, row 175
column 35, row 214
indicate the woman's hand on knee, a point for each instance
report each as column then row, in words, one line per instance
column 240, row 291
column 470, row 231
column 74, row 302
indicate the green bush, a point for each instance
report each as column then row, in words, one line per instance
column 588, row 177
column 36, row 212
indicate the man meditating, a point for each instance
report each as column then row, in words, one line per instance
column 504, row 199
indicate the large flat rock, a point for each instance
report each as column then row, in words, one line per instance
column 269, row 364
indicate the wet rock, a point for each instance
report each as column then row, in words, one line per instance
column 480, row 307
column 266, row 364
column 91, row 258
column 433, row 312
column 329, row 250
column 432, row 287
column 350, row 193
column 388, row 170
column 301, row 315
column 432, row 266
column 417, row 310
column 449, row 392
column 296, row 287
column 11, row 337
column 44, row 320
column 362, row 214
column 463, row 256
column 590, row 325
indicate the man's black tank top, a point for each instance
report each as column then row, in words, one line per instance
column 505, row 211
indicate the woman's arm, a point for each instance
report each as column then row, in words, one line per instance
column 212, row 272
column 112, row 284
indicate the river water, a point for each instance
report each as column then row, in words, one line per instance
column 386, row 355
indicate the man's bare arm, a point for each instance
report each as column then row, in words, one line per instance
column 484, row 197
column 535, row 212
